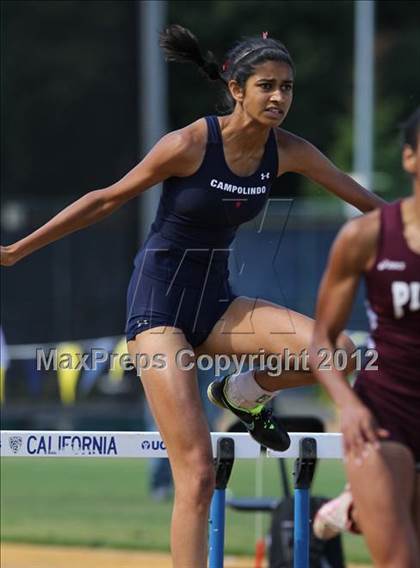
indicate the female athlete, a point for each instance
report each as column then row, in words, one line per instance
column 217, row 174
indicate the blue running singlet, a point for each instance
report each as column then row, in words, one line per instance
column 181, row 276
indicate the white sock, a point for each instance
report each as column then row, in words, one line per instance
column 243, row 391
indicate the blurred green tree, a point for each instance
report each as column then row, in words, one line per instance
column 69, row 84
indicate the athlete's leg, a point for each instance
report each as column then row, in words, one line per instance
column 174, row 399
column 383, row 490
column 249, row 325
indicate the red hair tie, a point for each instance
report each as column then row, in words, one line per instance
column 225, row 66
column 264, row 35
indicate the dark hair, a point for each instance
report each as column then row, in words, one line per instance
column 411, row 129
column 179, row 44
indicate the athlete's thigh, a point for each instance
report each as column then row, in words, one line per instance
column 383, row 489
column 173, row 395
column 251, row 324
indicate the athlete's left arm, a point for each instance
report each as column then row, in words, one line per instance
column 353, row 250
column 310, row 162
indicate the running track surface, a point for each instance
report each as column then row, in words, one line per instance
column 28, row 556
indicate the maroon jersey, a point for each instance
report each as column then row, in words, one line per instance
column 392, row 391
column 393, row 292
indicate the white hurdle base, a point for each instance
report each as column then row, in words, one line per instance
column 76, row 444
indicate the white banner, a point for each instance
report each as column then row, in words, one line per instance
column 72, row 444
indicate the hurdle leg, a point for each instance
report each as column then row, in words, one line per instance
column 217, row 529
column 225, row 456
column 303, row 473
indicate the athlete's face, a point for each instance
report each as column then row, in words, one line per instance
column 268, row 93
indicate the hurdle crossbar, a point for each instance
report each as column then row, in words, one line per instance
column 97, row 444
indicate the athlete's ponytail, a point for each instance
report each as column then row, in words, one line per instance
column 179, row 44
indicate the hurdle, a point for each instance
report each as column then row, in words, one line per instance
column 305, row 448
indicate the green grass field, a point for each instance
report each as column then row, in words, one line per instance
column 105, row 503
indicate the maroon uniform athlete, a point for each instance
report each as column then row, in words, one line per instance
column 380, row 417
column 392, row 392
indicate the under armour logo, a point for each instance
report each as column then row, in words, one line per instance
column 142, row 322
column 265, row 176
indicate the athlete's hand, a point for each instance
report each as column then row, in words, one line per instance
column 8, row 255
column 361, row 433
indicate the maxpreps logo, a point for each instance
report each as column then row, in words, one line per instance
column 153, row 445
column 68, row 444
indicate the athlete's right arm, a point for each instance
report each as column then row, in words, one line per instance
column 174, row 155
